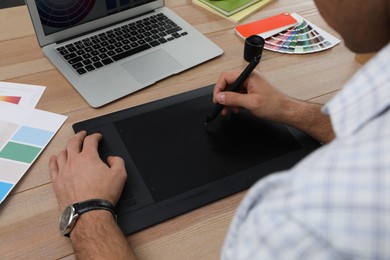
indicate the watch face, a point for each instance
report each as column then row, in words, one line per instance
column 66, row 219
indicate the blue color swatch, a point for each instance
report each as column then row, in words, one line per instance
column 33, row 136
column 5, row 189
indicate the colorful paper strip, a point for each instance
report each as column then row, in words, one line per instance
column 301, row 39
column 10, row 99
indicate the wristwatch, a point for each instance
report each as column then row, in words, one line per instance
column 72, row 212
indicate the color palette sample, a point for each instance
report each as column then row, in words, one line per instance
column 24, row 133
column 301, row 39
column 10, row 99
column 20, row 94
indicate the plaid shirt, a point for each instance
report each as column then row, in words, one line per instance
column 334, row 204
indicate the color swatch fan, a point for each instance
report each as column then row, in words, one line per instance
column 301, row 39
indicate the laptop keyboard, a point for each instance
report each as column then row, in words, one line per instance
column 92, row 53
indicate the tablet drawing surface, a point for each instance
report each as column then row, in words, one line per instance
column 176, row 152
column 175, row 163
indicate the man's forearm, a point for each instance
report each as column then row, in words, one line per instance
column 308, row 117
column 97, row 236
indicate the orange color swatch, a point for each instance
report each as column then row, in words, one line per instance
column 283, row 20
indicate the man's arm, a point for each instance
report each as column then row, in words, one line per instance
column 265, row 101
column 78, row 175
column 307, row 117
column 97, row 236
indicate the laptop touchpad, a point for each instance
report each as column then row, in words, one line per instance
column 152, row 67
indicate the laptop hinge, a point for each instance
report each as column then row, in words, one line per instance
column 101, row 28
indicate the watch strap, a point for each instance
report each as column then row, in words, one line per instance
column 88, row 205
column 94, row 204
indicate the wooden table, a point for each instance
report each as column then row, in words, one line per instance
column 29, row 216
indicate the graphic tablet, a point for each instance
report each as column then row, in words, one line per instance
column 176, row 163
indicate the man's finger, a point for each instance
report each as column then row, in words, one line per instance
column 91, row 143
column 61, row 159
column 226, row 79
column 75, row 143
column 232, row 99
column 115, row 162
column 53, row 167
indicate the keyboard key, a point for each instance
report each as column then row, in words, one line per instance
column 90, row 68
column 131, row 52
column 173, row 30
column 77, row 65
column 103, row 56
column 87, row 56
column 70, row 56
column 162, row 40
column 107, row 61
column 154, row 43
column 86, row 62
column 111, row 53
column 81, row 71
column 98, row 64
column 72, row 49
column 63, row 52
column 80, row 52
column 95, row 53
column 75, row 60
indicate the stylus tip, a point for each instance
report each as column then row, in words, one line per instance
column 208, row 120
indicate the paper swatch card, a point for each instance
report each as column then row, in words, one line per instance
column 301, row 39
column 229, row 7
column 20, row 94
column 240, row 15
column 24, row 133
column 268, row 26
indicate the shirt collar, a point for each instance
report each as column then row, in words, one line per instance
column 364, row 97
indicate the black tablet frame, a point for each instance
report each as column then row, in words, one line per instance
column 137, row 209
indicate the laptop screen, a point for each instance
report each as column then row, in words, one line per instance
column 60, row 15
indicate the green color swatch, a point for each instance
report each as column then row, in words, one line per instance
column 20, row 152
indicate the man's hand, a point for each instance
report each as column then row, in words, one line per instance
column 256, row 95
column 263, row 100
column 79, row 174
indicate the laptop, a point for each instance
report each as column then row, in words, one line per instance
column 175, row 163
column 108, row 49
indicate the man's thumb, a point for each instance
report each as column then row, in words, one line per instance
column 231, row 99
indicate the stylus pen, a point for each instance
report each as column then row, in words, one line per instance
column 234, row 87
